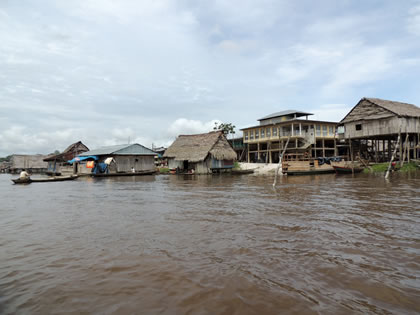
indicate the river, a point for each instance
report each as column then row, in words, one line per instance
column 211, row 245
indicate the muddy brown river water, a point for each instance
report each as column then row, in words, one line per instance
column 211, row 245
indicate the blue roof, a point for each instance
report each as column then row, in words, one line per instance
column 121, row 149
column 82, row 158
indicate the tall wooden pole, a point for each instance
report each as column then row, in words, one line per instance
column 393, row 156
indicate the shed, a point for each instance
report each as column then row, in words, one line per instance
column 204, row 153
column 32, row 163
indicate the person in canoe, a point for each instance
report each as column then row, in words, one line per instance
column 24, row 175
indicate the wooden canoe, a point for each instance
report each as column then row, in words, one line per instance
column 125, row 174
column 43, row 180
column 310, row 172
column 347, row 169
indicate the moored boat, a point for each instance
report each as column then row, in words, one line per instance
column 125, row 174
column 347, row 169
column 43, row 180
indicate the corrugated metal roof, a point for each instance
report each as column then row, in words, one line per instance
column 286, row 113
column 121, row 149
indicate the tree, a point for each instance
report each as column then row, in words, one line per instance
column 227, row 128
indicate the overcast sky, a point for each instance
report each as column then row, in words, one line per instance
column 108, row 72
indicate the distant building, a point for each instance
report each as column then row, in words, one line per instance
column 239, row 147
column 201, row 153
column 31, row 163
column 372, row 128
column 5, row 167
column 57, row 163
column 124, row 158
column 307, row 138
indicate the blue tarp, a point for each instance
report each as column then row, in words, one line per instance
column 82, row 158
column 100, row 168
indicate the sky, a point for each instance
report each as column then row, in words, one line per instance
column 129, row 71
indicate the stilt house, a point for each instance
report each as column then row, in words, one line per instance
column 57, row 163
column 302, row 139
column 375, row 126
column 203, row 153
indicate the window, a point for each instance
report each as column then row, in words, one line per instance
column 359, row 127
column 246, row 135
column 331, row 131
column 268, row 132
column 251, row 135
column 257, row 134
column 318, row 130
column 274, row 131
column 262, row 133
column 324, row 131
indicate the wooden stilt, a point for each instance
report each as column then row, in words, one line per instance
column 400, row 155
column 393, row 156
column 405, row 149
column 280, row 162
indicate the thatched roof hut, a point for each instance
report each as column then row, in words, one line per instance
column 196, row 148
column 376, row 108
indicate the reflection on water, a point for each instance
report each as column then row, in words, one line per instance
column 211, row 245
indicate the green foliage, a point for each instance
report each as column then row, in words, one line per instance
column 236, row 166
column 383, row 167
column 407, row 167
column 5, row 159
column 228, row 128
column 163, row 170
column 380, row 167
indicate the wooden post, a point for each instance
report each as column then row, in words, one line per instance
column 405, row 149
column 351, row 157
column 400, row 155
column 393, row 155
column 335, row 147
column 280, row 162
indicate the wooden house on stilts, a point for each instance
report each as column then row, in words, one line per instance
column 201, row 153
column 374, row 128
column 57, row 163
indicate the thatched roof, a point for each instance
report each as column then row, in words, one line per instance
column 389, row 108
column 196, row 148
column 70, row 152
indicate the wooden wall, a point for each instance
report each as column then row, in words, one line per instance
column 139, row 162
column 381, row 127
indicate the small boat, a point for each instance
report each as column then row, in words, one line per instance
column 241, row 172
column 43, row 180
column 125, row 174
column 347, row 169
column 309, row 172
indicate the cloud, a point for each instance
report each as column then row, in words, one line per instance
column 413, row 21
column 105, row 71
column 331, row 112
column 183, row 126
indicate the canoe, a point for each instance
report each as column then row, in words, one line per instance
column 240, row 172
column 347, row 169
column 125, row 174
column 310, row 172
column 43, row 180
